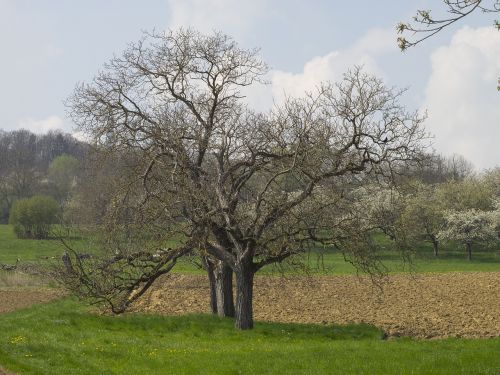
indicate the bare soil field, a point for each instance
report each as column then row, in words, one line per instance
column 17, row 298
column 423, row 305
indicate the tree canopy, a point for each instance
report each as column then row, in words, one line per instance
column 246, row 189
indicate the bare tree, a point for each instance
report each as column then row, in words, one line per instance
column 24, row 160
column 436, row 168
column 253, row 187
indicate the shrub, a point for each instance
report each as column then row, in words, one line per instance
column 33, row 217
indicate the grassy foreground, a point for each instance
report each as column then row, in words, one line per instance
column 63, row 338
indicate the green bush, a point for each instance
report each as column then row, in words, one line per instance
column 33, row 217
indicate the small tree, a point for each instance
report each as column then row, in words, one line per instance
column 469, row 227
column 424, row 215
column 33, row 217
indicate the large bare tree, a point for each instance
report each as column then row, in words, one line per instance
column 253, row 188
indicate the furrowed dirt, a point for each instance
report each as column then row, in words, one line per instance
column 13, row 299
column 422, row 305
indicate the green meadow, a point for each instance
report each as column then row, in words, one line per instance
column 67, row 337
column 63, row 337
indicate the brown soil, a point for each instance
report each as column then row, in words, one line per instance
column 6, row 372
column 13, row 299
column 423, row 305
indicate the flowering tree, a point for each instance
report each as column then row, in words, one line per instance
column 496, row 216
column 423, row 215
column 382, row 208
column 469, row 227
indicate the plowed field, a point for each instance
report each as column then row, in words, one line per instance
column 422, row 305
column 11, row 300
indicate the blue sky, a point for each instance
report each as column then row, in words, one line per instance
column 50, row 45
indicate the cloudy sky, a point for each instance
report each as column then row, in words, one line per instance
column 47, row 46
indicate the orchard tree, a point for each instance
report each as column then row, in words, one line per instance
column 383, row 206
column 423, row 215
column 470, row 227
column 222, row 172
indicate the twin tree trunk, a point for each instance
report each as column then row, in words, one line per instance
column 221, row 291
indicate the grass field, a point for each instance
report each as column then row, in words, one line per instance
column 452, row 257
column 325, row 261
column 63, row 338
column 12, row 248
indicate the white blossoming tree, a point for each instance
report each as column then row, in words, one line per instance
column 470, row 227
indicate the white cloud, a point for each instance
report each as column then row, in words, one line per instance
column 461, row 96
column 42, row 126
column 329, row 67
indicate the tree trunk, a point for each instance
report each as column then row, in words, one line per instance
column 220, row 278
column 435, row 244
column 244, row 296
column 469, row 250
column 209, row 266
column 224, row 290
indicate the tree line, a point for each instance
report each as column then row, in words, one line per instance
column 466, row 211
column 32, row 164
